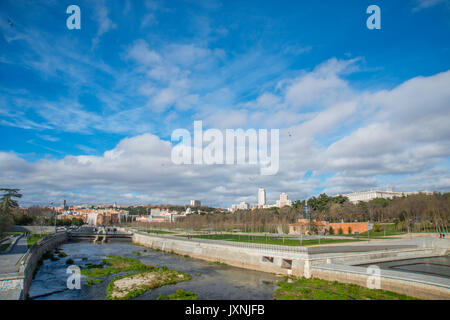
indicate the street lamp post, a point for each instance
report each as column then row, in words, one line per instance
column 54, row 214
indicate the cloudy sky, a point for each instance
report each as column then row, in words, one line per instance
column 87, row 115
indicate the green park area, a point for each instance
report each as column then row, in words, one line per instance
column 4, row 246
column 316, row 289
column 156, row 231
column 34, row 237
column 286, row 241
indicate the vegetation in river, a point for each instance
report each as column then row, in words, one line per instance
column 114, row 264
column 180, row 294
column 316, row 289
column 91, row 282
column 62, row 254
column 217, row 263
column 129, row 286
column 49, row 255
column 69, row 261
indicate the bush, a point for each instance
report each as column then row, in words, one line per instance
column 377, row 227
column 340, row 231
column 350, row 230
column 331, row 231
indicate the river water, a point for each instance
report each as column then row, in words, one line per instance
column 208, row 281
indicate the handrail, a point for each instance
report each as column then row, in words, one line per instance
column 260, row 246
column 24, row 258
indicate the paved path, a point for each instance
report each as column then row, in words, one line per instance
column 8, row 260
column 9, row 269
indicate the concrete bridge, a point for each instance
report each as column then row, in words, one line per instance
column 99, row 234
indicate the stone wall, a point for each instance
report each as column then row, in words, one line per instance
column 29, row 262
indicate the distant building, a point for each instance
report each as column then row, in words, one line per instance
column 284, row 201
column 366, row 196
column 241, row 206
column 64, row 204
column 261, row 197
column 195, row 203
column 306, row 226
column 155, row 212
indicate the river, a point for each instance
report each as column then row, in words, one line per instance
column 209, row 281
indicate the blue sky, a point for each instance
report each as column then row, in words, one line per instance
column 72, row 100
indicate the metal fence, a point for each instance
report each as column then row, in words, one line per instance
column 261, row 247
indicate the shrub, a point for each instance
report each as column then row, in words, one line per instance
column 331, row 231
column 340, row 231
column 350, row 230
column 377, row 227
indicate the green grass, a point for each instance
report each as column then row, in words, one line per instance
column 218, row 263
column 180, row 294
column 114, row 264
column 34, row 237
column 15, row 233
column 157, row 231
column 91, row 282
column 271, row 240
column 317, row 289
column 4, row 246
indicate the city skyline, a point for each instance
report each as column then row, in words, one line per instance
column 88, row 114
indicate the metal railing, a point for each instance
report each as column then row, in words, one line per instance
column 261, row 247
column 25, row 257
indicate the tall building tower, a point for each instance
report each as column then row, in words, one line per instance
column 195, row 203
column 261, row 197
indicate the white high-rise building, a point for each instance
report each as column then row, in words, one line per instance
column 284, row 201
column 261, row 197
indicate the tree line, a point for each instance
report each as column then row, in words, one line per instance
column 418, row 212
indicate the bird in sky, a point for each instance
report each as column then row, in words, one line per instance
column 10, row 22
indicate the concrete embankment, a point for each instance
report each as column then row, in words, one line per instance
column 243, row 257
column 29, row 262
column 332, row 265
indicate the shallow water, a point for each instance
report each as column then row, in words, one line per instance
column 214, row 282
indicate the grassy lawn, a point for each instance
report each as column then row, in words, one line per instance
column 4, row 246
column 35, row 237
column 316, row 289
column 270, row 240
column 157, row 231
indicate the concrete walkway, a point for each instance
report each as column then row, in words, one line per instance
column 9, row 270
column 8, row 260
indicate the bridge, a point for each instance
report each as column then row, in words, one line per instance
column 98, row 234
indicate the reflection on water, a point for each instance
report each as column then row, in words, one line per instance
column 208, row 281
column 436, row 266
